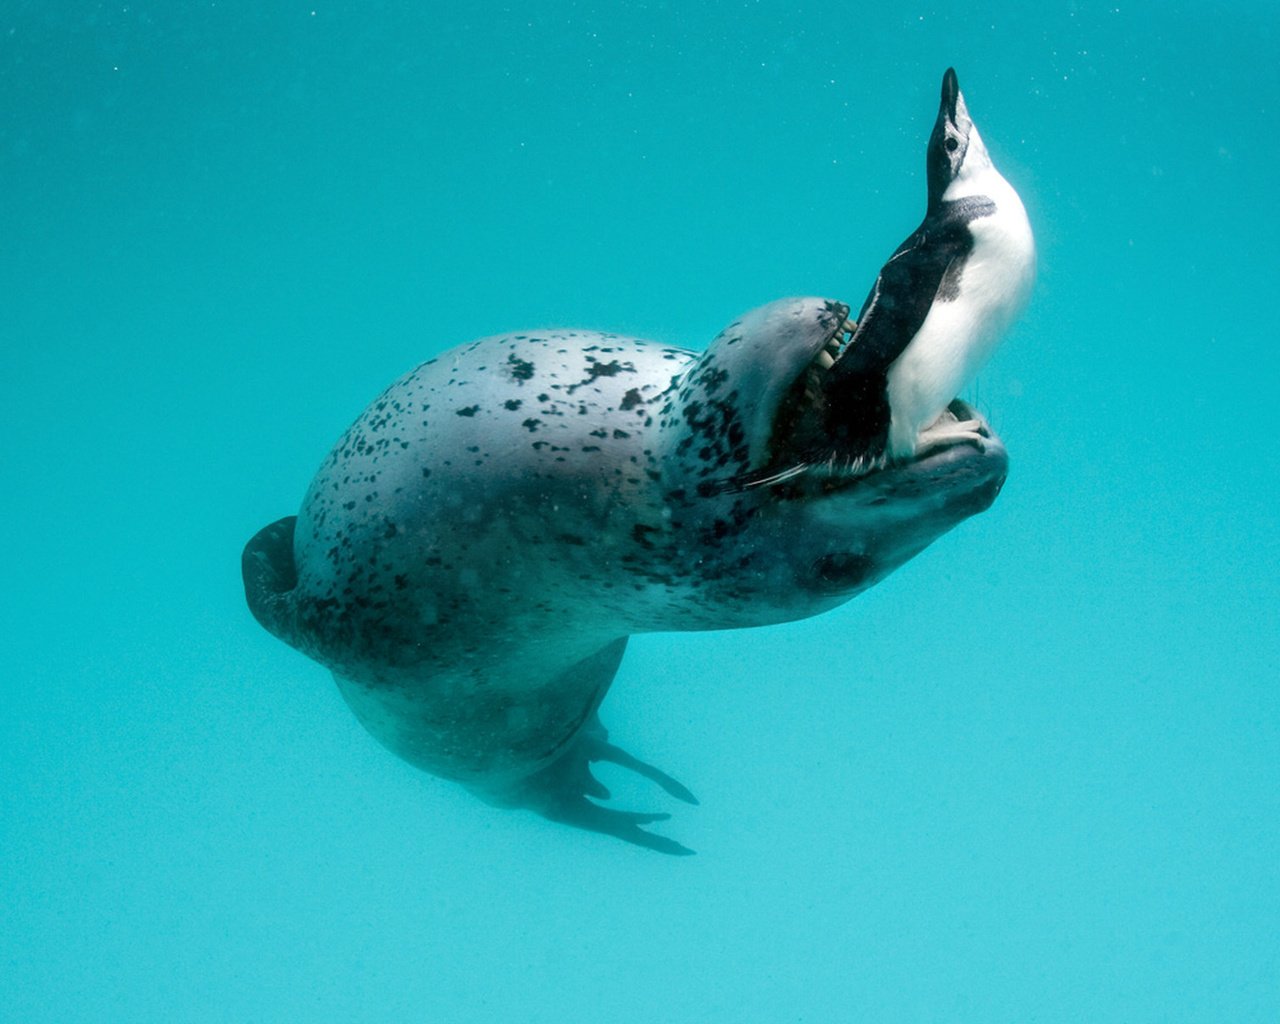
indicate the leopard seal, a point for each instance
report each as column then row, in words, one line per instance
column 474, row 552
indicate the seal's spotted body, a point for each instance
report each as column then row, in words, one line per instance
column 475, row 550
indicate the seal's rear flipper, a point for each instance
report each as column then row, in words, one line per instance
column 560, row 791
column 624, row 825
column 616, row 755
column 269, row 578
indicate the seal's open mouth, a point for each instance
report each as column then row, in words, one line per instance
column 820, row 432
column 946, row 458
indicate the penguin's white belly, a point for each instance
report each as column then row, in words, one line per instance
column 959, row 334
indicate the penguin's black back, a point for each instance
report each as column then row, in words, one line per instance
column 923, row 270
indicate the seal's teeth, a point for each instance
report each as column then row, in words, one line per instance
column 825, row 359
column 838, row 342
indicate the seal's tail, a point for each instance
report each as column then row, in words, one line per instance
column 269, row 578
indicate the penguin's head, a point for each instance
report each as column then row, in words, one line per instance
column 957, row 158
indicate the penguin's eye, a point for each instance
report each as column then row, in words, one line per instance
column 952, row 145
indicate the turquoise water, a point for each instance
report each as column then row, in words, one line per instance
column 1031, row 777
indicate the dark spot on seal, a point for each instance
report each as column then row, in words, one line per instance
column 512, row 404
column 713, row 378
column 630, row 400
column 521, row 369
column 470, row 410
column 640, row 534
column 531, row 425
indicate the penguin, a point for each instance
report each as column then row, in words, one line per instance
column 936, row 312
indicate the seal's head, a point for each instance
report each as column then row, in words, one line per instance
column 819, row 522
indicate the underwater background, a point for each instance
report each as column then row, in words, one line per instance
column 1033, row 776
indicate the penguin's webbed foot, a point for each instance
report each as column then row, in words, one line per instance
column 948, row 430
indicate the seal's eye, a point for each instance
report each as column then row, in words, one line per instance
column 839, row 572
column 952, row 145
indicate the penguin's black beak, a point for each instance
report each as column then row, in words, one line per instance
column 950, row 94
